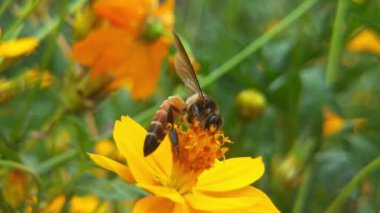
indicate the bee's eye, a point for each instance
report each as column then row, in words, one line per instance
column 213, row 120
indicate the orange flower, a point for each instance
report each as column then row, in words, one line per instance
column 332, row 123
column 131, row 47
column 190, row 180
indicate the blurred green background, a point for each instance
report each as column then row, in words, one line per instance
column 306, row 168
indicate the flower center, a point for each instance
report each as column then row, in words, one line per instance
column 198, row 150
column 152, row 29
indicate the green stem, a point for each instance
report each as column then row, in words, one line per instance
column 52, row 163
column 28, row 9
column 344, row 194
column 258, row 43
column 4, row 7
column 336, row 42
column 301, row 198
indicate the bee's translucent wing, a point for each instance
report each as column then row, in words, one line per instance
column 184, row 68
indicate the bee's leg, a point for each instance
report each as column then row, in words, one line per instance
column 172, row 132
column 196, row 113
column 174, row 139
column 171, row 111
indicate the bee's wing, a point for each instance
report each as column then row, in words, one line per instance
column 184, row 68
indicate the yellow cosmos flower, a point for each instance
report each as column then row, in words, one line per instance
column 78, row 204
column 17, row 47
column 365, row 41
column 131, row 47
column 192, row 180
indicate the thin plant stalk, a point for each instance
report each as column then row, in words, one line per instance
column 336, row 45
column 354, row 182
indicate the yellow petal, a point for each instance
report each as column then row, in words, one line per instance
column 129, row 137
column 162, row 191
column 231, row 174
column 55, row 205
column 182, row 208
column 218, row 201
column 18, row 47
column 161, row 160
column 152, row 204
column 204, row 202
column 89, row 203
column 114, row 166
column 261, row 201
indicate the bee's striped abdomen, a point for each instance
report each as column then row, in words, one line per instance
column 158, row 126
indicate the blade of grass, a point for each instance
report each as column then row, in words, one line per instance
column 346, row 191
column 28, row 9
column 4, row 6
column 303, row 192
column 52, row 163
column 336, row 45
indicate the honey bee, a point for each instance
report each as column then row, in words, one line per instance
column 198, row 107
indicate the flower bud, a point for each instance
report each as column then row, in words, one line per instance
column 83, row 21
column 16, row 188
column 251, row 104
column 153, row 29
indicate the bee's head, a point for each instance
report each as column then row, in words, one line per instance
column 205, row 111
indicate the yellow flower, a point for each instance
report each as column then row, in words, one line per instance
column 190, row 180
column 365, row 41
column 17, row 47
column 332, row 123
column 78, row 204
column 33, row 76
column 131, row 47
